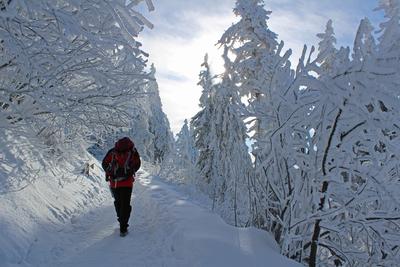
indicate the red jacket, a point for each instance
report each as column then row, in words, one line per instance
column 122, row 147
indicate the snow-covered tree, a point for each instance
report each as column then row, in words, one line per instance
column 201, row 124
column 252, row 44
column 158, row 122
column 224, row 161
column 256, row 61
column 263, row 73
column 206, row 82
column 183, row 162
column 148, row 125
column 257, row 67
column 184, row 145
column 326, row 49
column 390, row 29
column 326, row 139
column 139, row 130
column 350, row 149
column 364, row 43
column 69, row 68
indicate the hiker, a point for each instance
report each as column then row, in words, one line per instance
column 120, row 164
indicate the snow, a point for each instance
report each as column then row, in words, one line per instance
column 34, row 208
column 325, row 174
column 43, row 226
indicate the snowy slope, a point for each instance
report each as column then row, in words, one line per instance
column 37, row 199
column 41, row 209
column 76, row 226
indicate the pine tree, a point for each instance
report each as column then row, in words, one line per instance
column 390, row 29
column 262, row 73
column 364, row 43
column 232, row 167
column 327, row 50
column 185, row 145
column 139, row 129
column 201, row 124
column 186, row 154
column 251, row 41
column 158, row 122
column 257, row 67
column 224, row 161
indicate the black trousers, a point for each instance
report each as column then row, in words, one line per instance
column 122, row 204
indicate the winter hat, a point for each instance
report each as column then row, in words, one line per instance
column 124, row 144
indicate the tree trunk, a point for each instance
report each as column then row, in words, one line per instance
column 235, row 203
column 325, row 184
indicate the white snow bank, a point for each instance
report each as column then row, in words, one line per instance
column 204, row 239
column 36, row 201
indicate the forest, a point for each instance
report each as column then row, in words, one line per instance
column 306, row 149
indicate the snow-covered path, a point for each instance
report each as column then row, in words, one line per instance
column 166, row 230
column 148, row 243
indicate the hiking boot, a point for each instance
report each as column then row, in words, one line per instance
column 123, row 232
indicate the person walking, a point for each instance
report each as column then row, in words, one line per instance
column 120, row 165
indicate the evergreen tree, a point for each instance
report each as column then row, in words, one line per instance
column 233, row 165
column 262, row 73
column 224, row 161
column 158, row 122
column 252, row 43
column 326, row 49
column 139, row 129
column 364, row 43
column 186, row 155
column 389, row 41
column 185, row 145
column 257, row 68
column 254, row 69
column 201, row 124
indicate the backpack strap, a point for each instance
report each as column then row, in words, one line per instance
column 128, row 159
column 113, row 163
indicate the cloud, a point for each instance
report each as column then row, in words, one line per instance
column 298, row 22
column 178, row 56
column 180, row 101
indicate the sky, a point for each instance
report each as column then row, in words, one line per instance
column 185, row 30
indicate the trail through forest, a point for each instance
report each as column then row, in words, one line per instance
column 166, row 229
